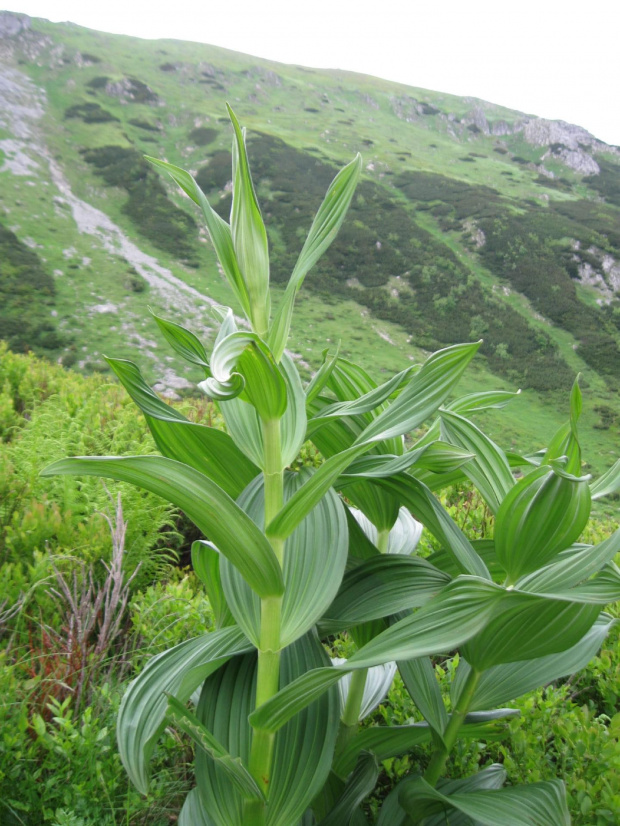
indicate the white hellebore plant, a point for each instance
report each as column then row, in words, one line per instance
column 290, row 558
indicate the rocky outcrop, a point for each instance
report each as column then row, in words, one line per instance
column 13, row 24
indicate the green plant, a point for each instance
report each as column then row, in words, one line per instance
column 288, row 561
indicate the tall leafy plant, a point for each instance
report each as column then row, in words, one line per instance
column 290, row 558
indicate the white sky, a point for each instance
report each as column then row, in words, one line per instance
column 552, row 59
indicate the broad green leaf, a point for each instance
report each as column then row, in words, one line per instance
column 421, row 683
column 484, row 400
column 193, row 812
column 461, row 610
column 204, row 502
column 186, row 721
column 360, row 547
column 381, row 586
column 608, row 483
column 543, row 514
column 244, row 426
column 206, row 449
column 315, row 557
column 184, row 342
column 427, row 509
column 206, row 565
column 489, row 469
column 425, row 392
column 363, row 404
column 310, row 494
column 293, row 422
column 543, row 804
column 249, row 234
column 358, row 786
column 178, row 671
column 320, row 378
column 219, row 231
column 552, row 626
column 322, row 232
column 565, row 443
column 377, row 505
column 571, row 567
column 303, row 749
column 393, row 814
column 509, row 681
column 383, row 741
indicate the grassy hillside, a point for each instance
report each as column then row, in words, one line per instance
column 472, row 221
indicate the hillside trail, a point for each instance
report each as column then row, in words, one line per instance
column 22, row 105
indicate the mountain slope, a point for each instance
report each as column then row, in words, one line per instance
column 471, row 220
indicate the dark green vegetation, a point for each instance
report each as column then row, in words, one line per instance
column 58, row 759
column 27, row 296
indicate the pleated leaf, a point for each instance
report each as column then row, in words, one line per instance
column 382, row 586
column 571, row 568
column 206, row 565
column 543, row 804
column 204, row 502
column 315, row 557
column 552, row 626
column 303, row 749
column 509, row 681
column 460, row 611
column 485, row 400
column 206, row 449
column 219, row 230
column 324, row 229
column 249, row 234
column 293, row 422
column 193, row 812
column 425, row 392
column 544, row 513
column 421, row 683
column 608, row 483
column 320, row 378
column 244, row 426
column 363, row 404
column 358, row 786
column 178, row 671
column 488, row 469
column 184, row 342
column 186, row 721
column 417, row 497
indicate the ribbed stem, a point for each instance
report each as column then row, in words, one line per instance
column 457, row 718
column 268, row 674
column 383, row 538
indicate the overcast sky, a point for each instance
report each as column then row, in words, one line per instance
column 546, row 58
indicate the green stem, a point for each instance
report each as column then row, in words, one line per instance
column 383, row 538
column 349, row 722
column 268, row 674
column 457, row 718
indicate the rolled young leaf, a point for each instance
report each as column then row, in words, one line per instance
column 204, row 502
column 206, row 565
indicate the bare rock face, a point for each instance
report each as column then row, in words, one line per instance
column 13, row 24
column 567, row 143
